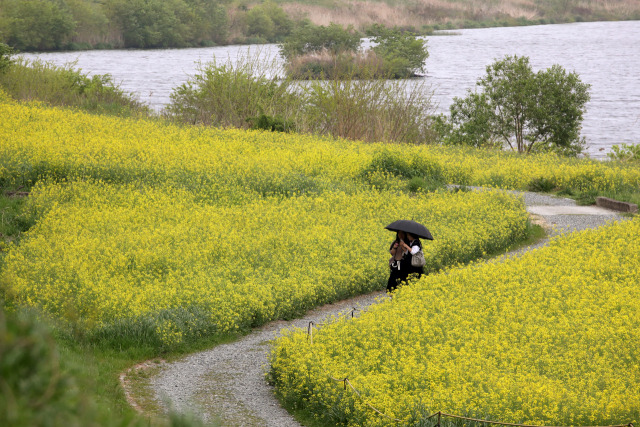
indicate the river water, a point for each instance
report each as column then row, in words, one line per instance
column 606, row 55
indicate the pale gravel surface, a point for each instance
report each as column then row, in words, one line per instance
column 227, row 383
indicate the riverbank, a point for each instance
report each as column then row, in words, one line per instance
column 83, row 25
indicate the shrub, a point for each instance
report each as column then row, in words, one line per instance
column 402, row 52
column 5, row 57
column 625, row 153
column 269, row 21
column 323, row 65
column 228, row 95
column 369, row 110
column 308, row 38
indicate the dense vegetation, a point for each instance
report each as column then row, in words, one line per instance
column 83, row 24
column 115, row 247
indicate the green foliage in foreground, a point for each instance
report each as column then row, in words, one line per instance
column 50, row 381
column 37, row 390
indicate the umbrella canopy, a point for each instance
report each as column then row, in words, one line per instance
column 410, row 227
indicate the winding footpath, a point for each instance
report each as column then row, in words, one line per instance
column 227, row 383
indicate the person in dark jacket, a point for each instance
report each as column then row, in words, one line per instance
column 401, row 250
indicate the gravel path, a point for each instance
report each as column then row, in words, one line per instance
column 226, row 383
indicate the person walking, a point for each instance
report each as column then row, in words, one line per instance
column 407, row 259
column 402, row 250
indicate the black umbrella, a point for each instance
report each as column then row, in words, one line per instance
column 410, row 227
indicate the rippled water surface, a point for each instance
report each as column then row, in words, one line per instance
column 604, row 54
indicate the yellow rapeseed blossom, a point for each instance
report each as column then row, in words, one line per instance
column 550, row 338
column 161, row 262
column 225, row 165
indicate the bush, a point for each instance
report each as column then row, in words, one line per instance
column 342, row 66
column 229, row 95
column 273, row 124
column 309, row 38
column 5, row 57
column 269, row 21
column 625, row 153
column 402, row 52
column 369, row 110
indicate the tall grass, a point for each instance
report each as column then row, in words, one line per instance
column 326, row 65
column 370, row 110
column 354, row 105
column 228, row 95
column 68, row 87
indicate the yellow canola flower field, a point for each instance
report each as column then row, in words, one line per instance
column 158, row 265
column 549, row 338
column 37, row 142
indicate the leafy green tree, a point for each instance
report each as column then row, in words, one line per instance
column 522, row 109
column 403, row 53
column 309, row 38
column 269, row 21
column 36, row 24
column 210, row 21
column 5, row 57
column 153, row 23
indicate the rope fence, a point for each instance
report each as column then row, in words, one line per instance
column 440, row 415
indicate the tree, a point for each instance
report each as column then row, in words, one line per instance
column 522, row 109
column 153, row 23
column 5, row 57
column 36, row 24
column 402, row 52
column 270, row 21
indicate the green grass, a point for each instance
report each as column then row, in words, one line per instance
column 65, row 86
column 586, row 198
column 12, row 223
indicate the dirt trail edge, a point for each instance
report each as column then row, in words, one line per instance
column 226, row 383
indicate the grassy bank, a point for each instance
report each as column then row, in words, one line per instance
column 67, row 86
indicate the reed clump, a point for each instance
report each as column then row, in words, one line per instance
column 327, row 65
